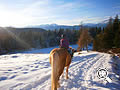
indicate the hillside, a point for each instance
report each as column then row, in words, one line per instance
column 13, row 29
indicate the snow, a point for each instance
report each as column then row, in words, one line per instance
column 30, row 70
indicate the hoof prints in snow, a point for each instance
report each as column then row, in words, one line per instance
column 3, row 78
column 12, row 76
column 10, row 70
column 36, row 83
column 14, row 56
column 34, row 69
column 25, row 72
column 36, row 66
column 19, row 84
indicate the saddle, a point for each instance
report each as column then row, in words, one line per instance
column 70, row 51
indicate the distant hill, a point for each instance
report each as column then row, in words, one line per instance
column 12, row 29
column 76, row 27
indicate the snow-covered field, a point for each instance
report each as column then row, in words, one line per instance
column 31, row 70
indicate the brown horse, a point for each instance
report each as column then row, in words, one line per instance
column 59, row 59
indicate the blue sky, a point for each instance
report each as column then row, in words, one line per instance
column 20, row 13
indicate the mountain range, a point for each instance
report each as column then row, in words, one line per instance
column 74, row 27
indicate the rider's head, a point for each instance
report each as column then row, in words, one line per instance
column 63, row 36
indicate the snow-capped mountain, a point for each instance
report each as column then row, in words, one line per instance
column 95, row 25
column 75, row 27
column 54, row 26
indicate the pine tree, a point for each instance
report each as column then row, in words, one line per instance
column 116, row 24
column 108, row 36
column 117, row 39
column 116, row 27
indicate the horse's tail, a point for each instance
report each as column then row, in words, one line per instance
column 54, row 75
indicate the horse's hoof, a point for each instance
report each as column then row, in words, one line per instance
column 58, row 85
column 67, row 77
column 62, row 76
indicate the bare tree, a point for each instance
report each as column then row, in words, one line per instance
column 84, row 40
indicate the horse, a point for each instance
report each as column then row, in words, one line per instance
column 59, row 59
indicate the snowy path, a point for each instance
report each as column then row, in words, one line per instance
column 30, row 71
column 83, row 73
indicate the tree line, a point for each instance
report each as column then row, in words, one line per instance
column 109, row 37
column 12, row 39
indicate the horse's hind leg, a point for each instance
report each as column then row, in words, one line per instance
column 67, row 72
column 58, row 84
column 62, row 74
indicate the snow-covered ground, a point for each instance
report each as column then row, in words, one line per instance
column 31, row 70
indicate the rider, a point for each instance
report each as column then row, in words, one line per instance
column 64, row 43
